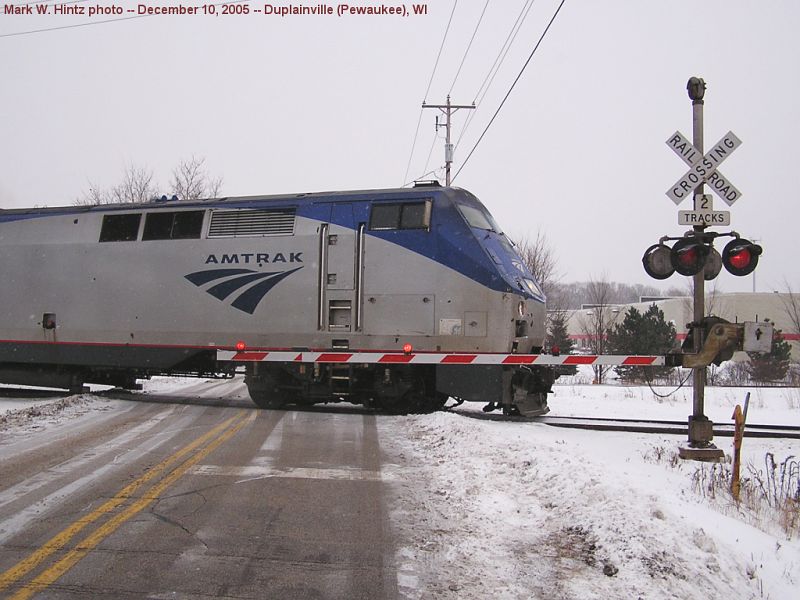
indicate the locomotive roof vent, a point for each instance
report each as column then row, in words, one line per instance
column 427, row 183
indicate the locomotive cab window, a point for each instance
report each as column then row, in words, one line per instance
column 478, row 218
column 120, row 228
column 183, row 225
column 406, row 215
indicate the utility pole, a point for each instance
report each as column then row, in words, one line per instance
column 448, row 109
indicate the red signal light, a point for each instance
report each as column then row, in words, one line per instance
column 241, row 346
column 688, row 256
column 740, row 256
column 407, row 348
column 741, row 259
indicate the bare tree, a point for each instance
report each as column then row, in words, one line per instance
column 136, row 186
column 190, row 181
column 596, row 319
column 93, row 196
column 538, row 256
column 791, row 305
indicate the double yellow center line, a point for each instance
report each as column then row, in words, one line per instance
column 129, row 504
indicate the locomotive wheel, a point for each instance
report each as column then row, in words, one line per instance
column 269, row 400
column 266, row 392
column 432, row 403
column 418, row 399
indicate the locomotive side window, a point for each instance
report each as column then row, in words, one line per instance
column 182, row 225
column 187, row 225
column 407, row 215
column 120, row 228
column 385, row 216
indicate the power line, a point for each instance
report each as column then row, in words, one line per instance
column 472, row 39
column 498, row 63
column 428, row 89
column 430, row 152
column 527, row 62
column 506, row 45
column 32, row 31
column 441, row 47
column 104, row 21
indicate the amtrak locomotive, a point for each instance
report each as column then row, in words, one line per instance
column 108, row 294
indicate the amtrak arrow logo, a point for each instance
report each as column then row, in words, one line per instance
column 233, row 280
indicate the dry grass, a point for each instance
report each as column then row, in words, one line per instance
column 769, row 497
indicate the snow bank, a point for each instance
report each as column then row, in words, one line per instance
column 523, row 510
column 36, row 413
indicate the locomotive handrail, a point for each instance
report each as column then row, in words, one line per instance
column 323, row 274
column 359, row 299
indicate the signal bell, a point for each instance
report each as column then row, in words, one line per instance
column 740, row 256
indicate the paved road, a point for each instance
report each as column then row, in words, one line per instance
column 203, row 498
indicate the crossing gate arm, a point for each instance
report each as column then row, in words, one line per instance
column 438, row 358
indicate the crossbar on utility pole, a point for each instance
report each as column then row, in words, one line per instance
column 448, row 109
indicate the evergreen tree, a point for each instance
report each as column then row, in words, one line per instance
column 558, row 338
column 772, row 365
column 639, row 333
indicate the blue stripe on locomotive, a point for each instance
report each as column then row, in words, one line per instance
column 481, row 255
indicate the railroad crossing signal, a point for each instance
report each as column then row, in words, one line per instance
column 692, row 254
column 703, row 168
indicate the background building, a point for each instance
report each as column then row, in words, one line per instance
column 781, row 309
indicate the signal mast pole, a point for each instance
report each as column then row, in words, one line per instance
column 700, row 427
column 448, row 109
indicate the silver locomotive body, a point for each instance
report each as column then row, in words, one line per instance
column 112, row 293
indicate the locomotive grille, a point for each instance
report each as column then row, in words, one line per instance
column 251, row 223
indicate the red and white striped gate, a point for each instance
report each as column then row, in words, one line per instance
column 435, row 358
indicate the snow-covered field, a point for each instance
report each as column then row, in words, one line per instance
column 523, row 510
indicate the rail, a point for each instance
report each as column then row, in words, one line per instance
column 641, row 425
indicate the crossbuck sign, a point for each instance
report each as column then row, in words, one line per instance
column 703, row 168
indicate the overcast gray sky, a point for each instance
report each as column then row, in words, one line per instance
column 311, row 103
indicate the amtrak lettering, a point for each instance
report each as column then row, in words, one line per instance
column 246, row 258
column 256, row 284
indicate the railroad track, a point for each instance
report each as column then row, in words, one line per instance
column 672, row 427
column 641, row 425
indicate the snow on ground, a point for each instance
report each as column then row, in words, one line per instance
column 523, row 510
column 19, row 397
column 38, row 409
